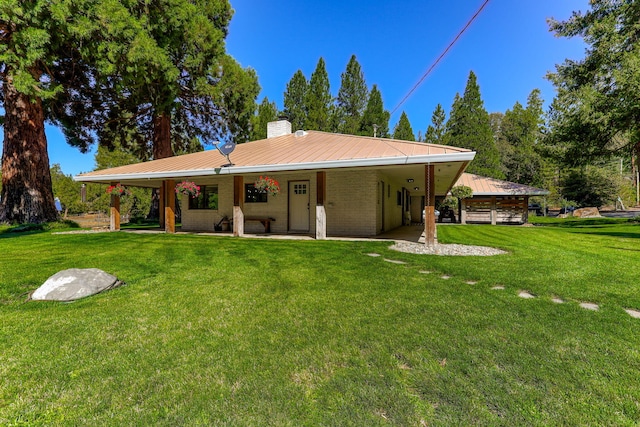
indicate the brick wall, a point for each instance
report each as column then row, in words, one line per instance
column 352, row 204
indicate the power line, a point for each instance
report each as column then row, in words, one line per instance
column 442, row 55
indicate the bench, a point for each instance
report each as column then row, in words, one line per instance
column 266, row 221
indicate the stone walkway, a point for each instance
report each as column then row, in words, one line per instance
column 522, row 293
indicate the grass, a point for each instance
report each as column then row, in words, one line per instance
column 223, row 331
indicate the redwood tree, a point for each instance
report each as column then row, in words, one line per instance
column 29, row 38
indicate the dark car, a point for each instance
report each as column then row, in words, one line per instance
column 537, row 209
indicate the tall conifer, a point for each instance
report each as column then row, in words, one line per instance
column 352, row 98
column 318, row 100
column 375, row 119
column 520, row 130
column 435, row 131
column 469, row 127
column 295, row 100
column 267, row 112
column 403, row 129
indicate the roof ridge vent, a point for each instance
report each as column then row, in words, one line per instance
column 300, row 133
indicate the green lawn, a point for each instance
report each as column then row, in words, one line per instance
column 225, row 331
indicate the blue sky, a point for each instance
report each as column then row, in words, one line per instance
column 509, row 47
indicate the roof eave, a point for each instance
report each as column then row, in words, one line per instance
column 464, row 156
column 512, row 193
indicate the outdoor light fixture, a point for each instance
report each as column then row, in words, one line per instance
column 410, row 180
column 416, row 188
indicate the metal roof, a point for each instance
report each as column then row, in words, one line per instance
column 483, row 186
column 295, row 151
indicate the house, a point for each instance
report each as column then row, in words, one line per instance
column 496, row 201
column 331, row 184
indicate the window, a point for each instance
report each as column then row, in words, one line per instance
column 399, row 198
column 251, row 195
column 208, row 198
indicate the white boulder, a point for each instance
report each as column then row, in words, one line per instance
column 75, row 283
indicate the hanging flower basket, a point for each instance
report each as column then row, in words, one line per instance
column 188, row 188
column 118, row 190
column 267, row 184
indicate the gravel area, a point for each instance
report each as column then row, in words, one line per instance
column 95, row 230
column 444, row 249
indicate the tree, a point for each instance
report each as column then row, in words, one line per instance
column 32, row 39
column 145, row 67
column 436, row 129
column 460, row 192
column 469, row 127
column 177, row 88
column 403, row 129
column 352, row 98
column 596, row 112
column 318, row 100
column 375, row 119
column 178, row 84
column 267, row 112
column 66, row 190
column 518, row 137
column 589, row 186
column 295, row 98
column 137, row 203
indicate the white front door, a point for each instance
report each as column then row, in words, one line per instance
column 299, row 206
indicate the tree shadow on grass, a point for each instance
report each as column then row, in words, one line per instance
column 590, row 222
column 28, row 229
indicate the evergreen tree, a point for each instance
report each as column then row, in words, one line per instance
column 375, row 119
column 469, row 127
column 295, row 98
column 596, row 112
column 126, row 79
column 435, row 131
column 318, row 100
column 34, row 43
column 182, row 85
column 351, row 99
column 267, row 112
column 520, row 130
column 403, row 129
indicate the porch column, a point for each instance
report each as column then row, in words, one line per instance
column 430, row 206
column 114, row 215
column 525, row 210
column 161, row 199
column 321, row 214
column 494, row 211
column 238, row 215
column 169, row 206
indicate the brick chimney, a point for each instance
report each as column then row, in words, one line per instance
column 279, row 128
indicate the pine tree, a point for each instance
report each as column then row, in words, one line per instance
column 403, row 129
column 469, row 127
column 295, row 98
column 435, row 131
column 318, row 100
column 596, row 111
column 267, row 112
column 352, row 98
column 520, row 131
column 375, row 119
